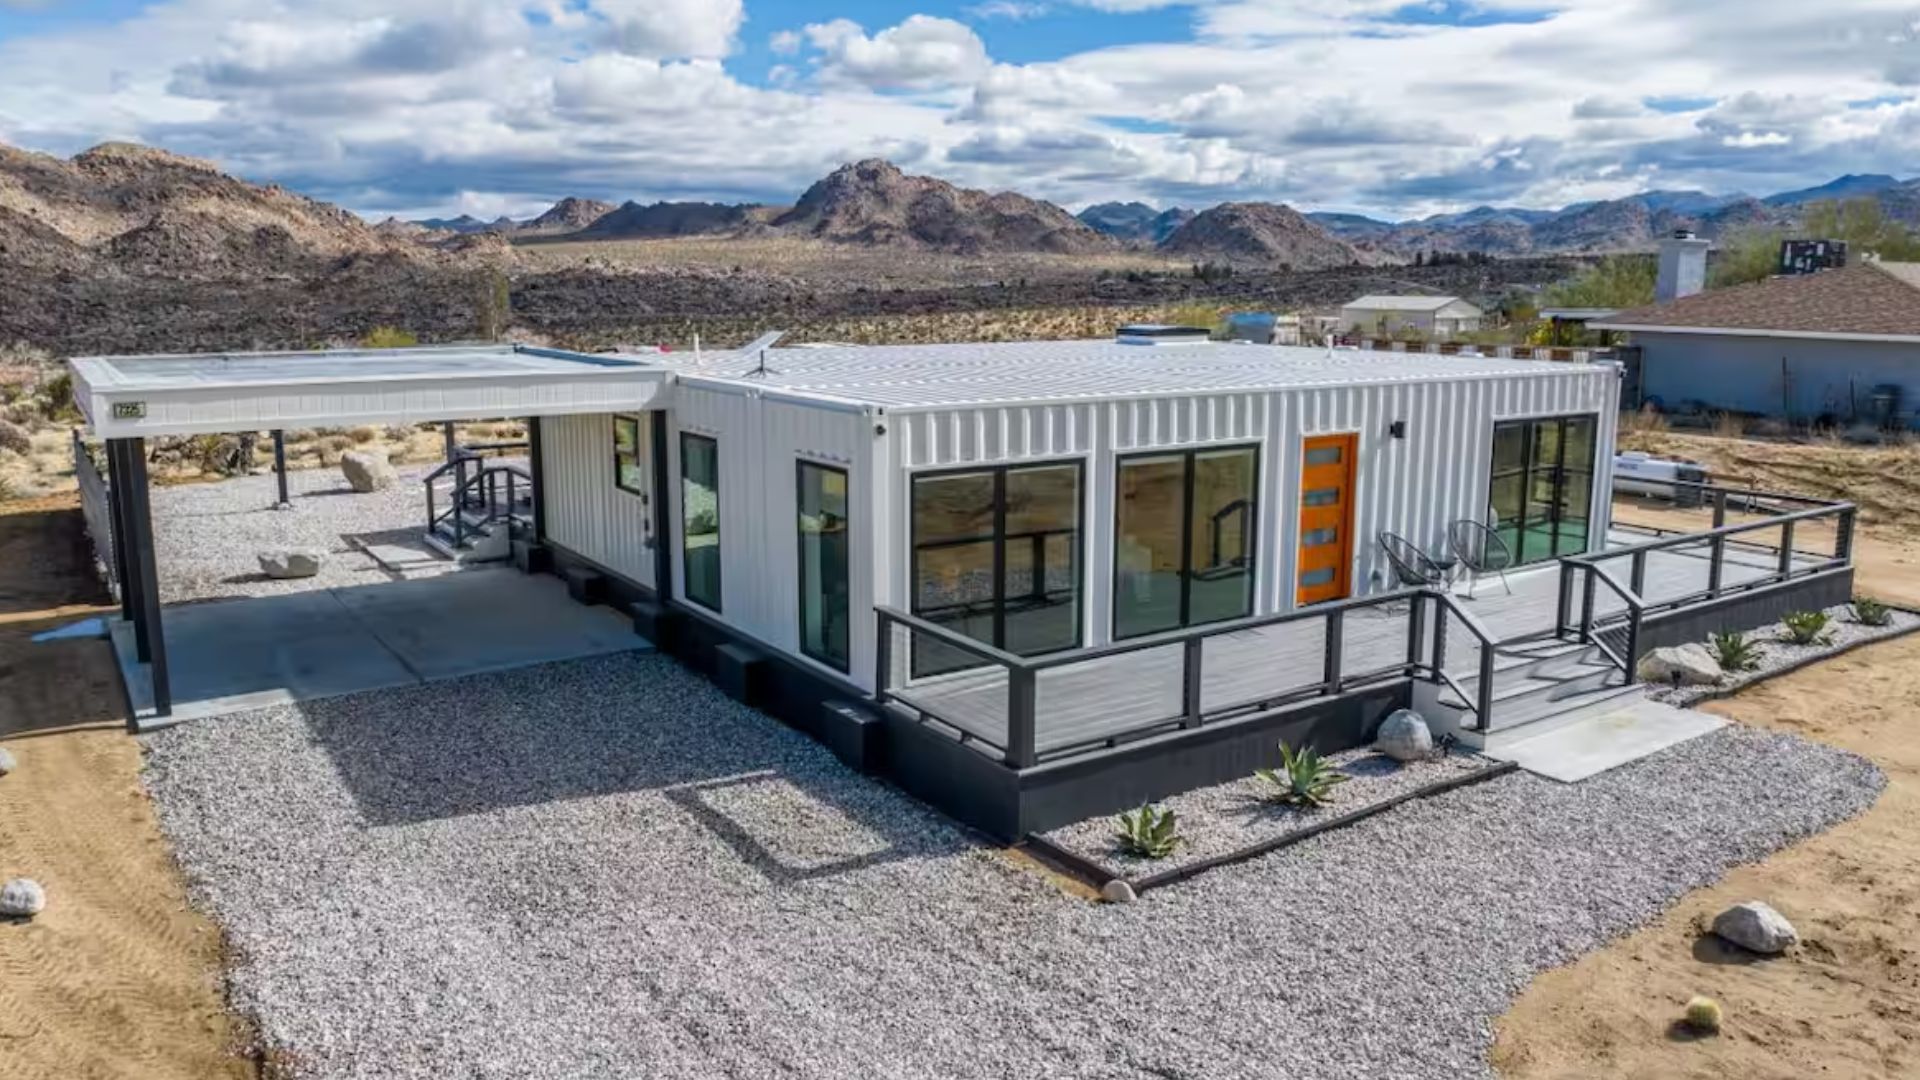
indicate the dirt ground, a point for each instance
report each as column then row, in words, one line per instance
column 119, row 977
column 1846, row 1003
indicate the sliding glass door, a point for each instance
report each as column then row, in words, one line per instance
column 996, row 556
column 1184, row 539
column 1542, row 488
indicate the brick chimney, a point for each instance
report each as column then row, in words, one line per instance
column 1683, row 266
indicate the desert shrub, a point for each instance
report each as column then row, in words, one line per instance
column 1870, row 612
column 1734, row 651
column 363, row 434
column 1149, row 832
column 1704, row 1015
column 337, row 444
column 1304, row 777
column 389, row 337
column 399, row 433
column 1806, row 627
column 14, row 438
column 1729, row 425
column 1646, row 420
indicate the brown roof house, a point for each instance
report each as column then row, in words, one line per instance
column 1838, row 346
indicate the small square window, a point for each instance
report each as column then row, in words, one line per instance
column 628, row 474
column 1325, row 455
column 1319, row 537
column 1322, row 497
column 1322, row 576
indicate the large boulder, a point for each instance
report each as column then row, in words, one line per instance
column 22, row 898
column 367, row 472
column 1404, row 736
column 287, row 565
column 1682, row 665
column 1756, row 927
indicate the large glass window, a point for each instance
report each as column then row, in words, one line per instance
column 1184, row 539
column 627, row 474
column 825, row 604
column 996, row 556
column 1541, row 495
column 700, row 519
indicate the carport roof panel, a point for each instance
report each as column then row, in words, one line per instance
column 125, row 396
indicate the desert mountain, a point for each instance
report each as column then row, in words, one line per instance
column 1135, row 222
column 569, row 215
column 873, row 202
column 1264, row 232
column 148, row 210
column 664, row 219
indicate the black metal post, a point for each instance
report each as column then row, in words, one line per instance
column 1786, row 550
column 1639, row 573
column 662, row 507
column 1586, row 604
column 1719, row 509
column 280, row 463
column 136, row 583
column 1563, row 615
column 1439, row 637
column 1483, row 710
column 117, row 521
column 140, row 528
column 1336, row 639
column 536, row 464
column 1416, row 630
column 1843, row 536
column 882, row 656
column 1021, row 750
column 1190, row 665
column 446, row 434
column 1716, row 564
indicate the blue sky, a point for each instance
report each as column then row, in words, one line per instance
column 1378, row 106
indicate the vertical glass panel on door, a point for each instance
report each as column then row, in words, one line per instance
column 1508, row 497
column 1148, row 553
column 825, row 593
column 955, row 566
column 1041, row 603
column 700, row 519
column 1576, row 494
column 1220, row 554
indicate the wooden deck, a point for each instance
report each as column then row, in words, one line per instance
column 1090, row 702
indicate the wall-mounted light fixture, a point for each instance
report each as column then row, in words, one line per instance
column 1397, row 429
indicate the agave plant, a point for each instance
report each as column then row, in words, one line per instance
column 1149, row 832
column 1806, row 627
column 1304, row 777
column 1871, row 612
column 1735, row 652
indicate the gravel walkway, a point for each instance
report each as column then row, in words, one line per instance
column 1777, row 654
column 1237, row 815
column 206, row 536
column 607, row 869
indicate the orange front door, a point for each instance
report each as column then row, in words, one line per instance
column 1325, row 566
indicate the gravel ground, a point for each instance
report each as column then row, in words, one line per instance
column 1237, row 815
column 605, row 868
column 1778, row 654
column 206, row 536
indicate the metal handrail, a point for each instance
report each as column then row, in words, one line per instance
column 481, row 488
column 1636, row 610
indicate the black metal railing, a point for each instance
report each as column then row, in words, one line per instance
column 478, row 494
column 1018, row 738
column 1579, row 616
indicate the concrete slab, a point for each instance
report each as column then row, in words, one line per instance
column 1605, row 737
column 233, row 655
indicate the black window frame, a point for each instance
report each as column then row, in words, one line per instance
column 999, row 472
column 1189, row 455
column 638, row 455
column 1527, row 472
column 843, row 664
column 686, row 578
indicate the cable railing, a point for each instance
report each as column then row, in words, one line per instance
column 1112, row 694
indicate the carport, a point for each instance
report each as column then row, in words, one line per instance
column 201, row 659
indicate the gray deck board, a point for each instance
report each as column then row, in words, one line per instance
column 1123, row 695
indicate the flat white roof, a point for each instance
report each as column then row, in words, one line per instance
column 1405, row 303
column 907, row 377
column 203, row 393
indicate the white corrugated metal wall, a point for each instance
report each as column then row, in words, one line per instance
column 585, row 512
column 761, row 441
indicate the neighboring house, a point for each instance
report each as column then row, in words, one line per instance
column 1838, row 346
column 1430, row 316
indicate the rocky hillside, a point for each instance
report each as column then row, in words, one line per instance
column 1261, row 232
column 667, row 219
column 873, row 202
column 1135, row 222
column 569, row 215
column 141, row 210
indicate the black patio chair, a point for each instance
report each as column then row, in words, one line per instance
column 1412, row 568
column 1480, row 551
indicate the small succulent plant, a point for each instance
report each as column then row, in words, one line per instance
column 1149, row 832
column 1735, row 651
column 1704, row 1015
column 1304, row 777
column 1870, row 612
column 1806, row 627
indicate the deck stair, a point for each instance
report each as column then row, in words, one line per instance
column 1538, row 685
column 475, row 508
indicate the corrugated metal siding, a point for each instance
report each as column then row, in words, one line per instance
column 585, row 512
column 760, row 444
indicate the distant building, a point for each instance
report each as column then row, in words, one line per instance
column 1838, row 345
column 1432, row 316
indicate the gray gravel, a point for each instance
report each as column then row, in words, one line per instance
column 605, row 868
column 1238, row 814
column 206, row 536
column 1777, row 654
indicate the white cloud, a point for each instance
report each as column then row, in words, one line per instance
column 671, row 28
column 922, row 52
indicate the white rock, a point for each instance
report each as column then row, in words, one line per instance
column 1117, row 891
column 367, row 472
column 7, row 763
column 1404, row 736
column 1683, row 665
column 296, row 563
column 1756, row 927
column 22, row 898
